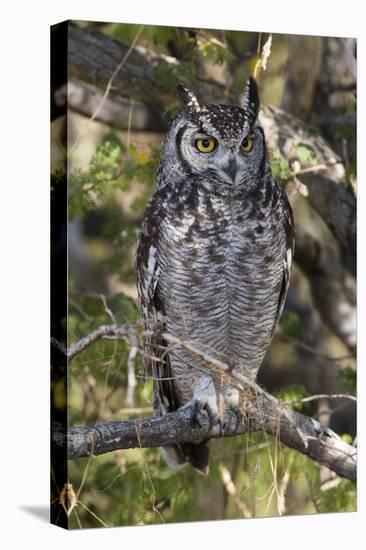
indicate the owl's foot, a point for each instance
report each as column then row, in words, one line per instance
column 205, row 395
column 194, row 409
column 216, row 404
column 323, row 431
column 201, row 415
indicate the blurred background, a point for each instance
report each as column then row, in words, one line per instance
column 121, row 97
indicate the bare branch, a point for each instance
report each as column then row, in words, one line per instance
column 107, row 309
column 122, row 332
column 322, row 396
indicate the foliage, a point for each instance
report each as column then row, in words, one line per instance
column 347, row 377
column 306, row 155
column 280, row 167
column 214, row 50
column 136, row 487
column 294, row 393
column 291, row 324
column 169, row 76
column 111, row 168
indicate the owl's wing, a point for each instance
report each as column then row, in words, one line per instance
column 287, row 259
column 148, row 269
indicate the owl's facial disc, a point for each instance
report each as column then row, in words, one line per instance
column 222, row 145
column 227, row 159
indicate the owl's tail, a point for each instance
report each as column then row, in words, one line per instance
column 178, row 456
column 166, row 401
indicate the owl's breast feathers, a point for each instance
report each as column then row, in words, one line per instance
column 213, row 269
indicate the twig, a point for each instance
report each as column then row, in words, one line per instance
column 311, row 493
column 130, row 111
column 281, row 502
column 322, row 396
column 298, row 171
column 108, row 311
column 231, row 490
column 212, row 361
column 262, row 61
column 131, row 376
column 123, row 332
column 128, row 411
column 330, row 484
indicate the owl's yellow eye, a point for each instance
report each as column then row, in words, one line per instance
column 206, row 145
column 247, row 144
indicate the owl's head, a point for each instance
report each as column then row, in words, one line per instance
column 222, row 144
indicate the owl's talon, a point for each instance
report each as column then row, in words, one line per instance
column 323, row 431
column 214, row 417
column 196, row 409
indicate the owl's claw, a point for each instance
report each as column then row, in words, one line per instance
column 238, row 416
column 214, row 418
column 323, row 431
column 196, row 409
column 202, row 415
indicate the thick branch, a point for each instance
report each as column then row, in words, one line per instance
column 260, row 412
column 189, row 424
column 93, row 58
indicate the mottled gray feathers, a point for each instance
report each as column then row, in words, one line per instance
column 213, row 258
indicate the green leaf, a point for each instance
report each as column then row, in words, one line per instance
column 347, row 376
column 291, row 324
column 214, row 51
column 280, row 167
column 306, row 155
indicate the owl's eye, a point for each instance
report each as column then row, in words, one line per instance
column 247, row 144
column 206, row 145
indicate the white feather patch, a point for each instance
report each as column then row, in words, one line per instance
column 289, row 259
column 152, row 274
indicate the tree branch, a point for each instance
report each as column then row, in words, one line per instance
column 260, row 411
column 93, row 58
column 191, row 424
column 122, row 332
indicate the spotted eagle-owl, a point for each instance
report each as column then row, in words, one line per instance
column 213, row 257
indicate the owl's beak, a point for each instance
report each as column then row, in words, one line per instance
column 230, row 169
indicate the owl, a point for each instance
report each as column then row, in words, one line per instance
column 213, row 258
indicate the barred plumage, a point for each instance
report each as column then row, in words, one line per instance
column 214, row 255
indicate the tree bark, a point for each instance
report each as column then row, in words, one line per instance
column 190, row 424
column 93, row 57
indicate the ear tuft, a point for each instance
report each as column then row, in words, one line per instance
column 251, row 102
column 188, row 98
